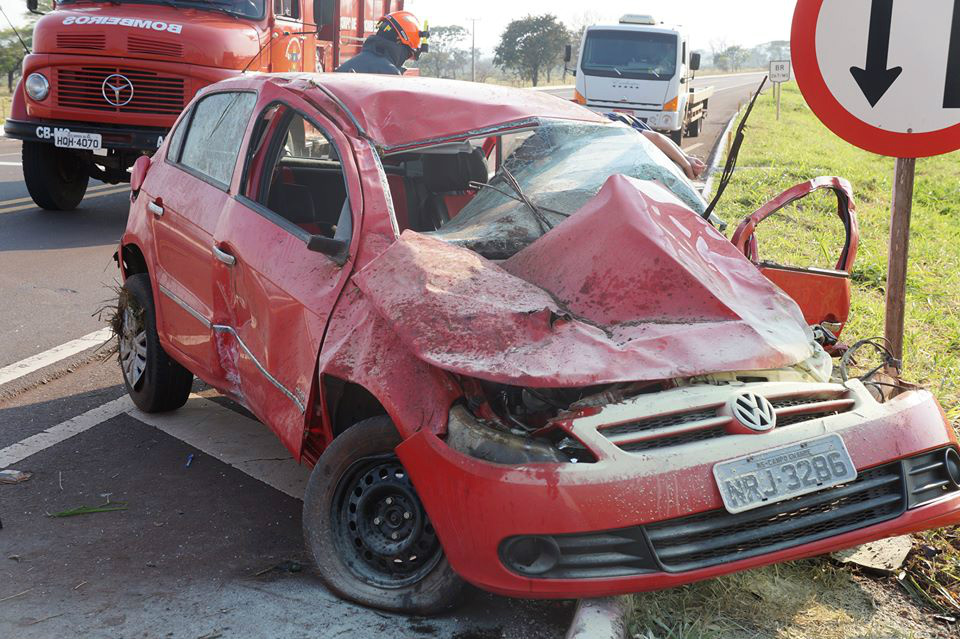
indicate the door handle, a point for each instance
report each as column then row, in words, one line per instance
column 224, row 256
column 155, row 208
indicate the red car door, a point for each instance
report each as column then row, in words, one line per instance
column 185, row 199
column 282, row 247
column 822, row 294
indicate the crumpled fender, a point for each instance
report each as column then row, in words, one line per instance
column 362, row 348
column 633, row 287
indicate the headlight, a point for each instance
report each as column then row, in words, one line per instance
column 37, row 86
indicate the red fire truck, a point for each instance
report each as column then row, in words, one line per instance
column 106, row 80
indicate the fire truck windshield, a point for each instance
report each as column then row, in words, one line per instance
column 252, row 9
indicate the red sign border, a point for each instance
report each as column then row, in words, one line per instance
column 803, row 40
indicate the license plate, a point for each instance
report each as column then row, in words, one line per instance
column 66, row 139
column 783, row 473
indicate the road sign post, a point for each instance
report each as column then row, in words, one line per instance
column 779, row 73
column 873, row 71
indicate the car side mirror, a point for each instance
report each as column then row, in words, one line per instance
column 337, row 250
column 567, row 53
column 694, row 61
column 32, row 6
column 139, row 173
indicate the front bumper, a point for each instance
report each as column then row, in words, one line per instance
column 114, row 137
column 475, row 506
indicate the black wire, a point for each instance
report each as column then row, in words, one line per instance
column 731, row 164
column 17, row 33
column 542, row 220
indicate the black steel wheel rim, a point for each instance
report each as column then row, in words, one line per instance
column 381, row 527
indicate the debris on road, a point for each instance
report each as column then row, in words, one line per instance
column 886, row 555
column 14, row 476
column 189, row 461
column 107, row 507
column 288, row 565
column 19, row 594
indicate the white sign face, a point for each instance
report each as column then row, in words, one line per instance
column 780, row 71
column 886, row 61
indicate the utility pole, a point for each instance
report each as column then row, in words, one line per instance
column 473, row 49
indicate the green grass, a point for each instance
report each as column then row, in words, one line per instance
column 817, row 598
column 777, row 155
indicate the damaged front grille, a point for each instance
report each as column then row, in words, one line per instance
column 718, row 537
column 702, row 423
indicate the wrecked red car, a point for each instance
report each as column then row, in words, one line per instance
column 514, row 351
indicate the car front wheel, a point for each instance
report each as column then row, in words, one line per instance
column 155, row 382
column 369, row 534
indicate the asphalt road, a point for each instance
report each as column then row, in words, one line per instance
column 209, row 543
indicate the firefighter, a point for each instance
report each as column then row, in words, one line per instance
column 398, row 38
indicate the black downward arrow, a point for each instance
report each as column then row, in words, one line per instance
column 951, row 97
column 876, row 79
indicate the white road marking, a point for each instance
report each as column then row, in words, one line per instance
column 11, row 163
column 23, row 200
column 234, row 439
column 237, row 441
column 26, row 207
column 693, row 147
column 54, row 355
column 16, row 453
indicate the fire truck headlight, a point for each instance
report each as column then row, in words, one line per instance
column 37, row 86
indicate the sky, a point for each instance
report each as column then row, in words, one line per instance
column 744, row 22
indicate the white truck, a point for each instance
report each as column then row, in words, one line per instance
column 644, row 69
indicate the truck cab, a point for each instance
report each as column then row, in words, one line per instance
column 107, row 80
column 644, row 69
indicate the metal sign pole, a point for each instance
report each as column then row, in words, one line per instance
column 901, row 210
column 779, row 96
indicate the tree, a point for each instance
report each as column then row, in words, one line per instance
column 531, row 46
column 446, row 56
column 12, row 52
column 731, row 59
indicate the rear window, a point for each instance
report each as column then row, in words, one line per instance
column 212, row 143
column 636, row 55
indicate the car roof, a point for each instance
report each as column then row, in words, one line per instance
column 397, row 112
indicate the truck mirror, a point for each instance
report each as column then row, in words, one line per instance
column 567, row 53
column 694, row 61
column 32, row 6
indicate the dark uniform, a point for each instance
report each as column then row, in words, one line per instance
column 379, row 55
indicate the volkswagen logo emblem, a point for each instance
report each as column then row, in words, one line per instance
column 753, row 413
column 117, row 90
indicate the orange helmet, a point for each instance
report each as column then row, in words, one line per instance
column 406, row 28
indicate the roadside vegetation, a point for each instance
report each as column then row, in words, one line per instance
column 819, row 598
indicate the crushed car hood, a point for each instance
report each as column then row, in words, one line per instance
column 633, row 287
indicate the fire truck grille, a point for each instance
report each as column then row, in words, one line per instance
column 152, row 46
column 86, row 42
column 152, row 93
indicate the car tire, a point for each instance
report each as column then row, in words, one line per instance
column 56, row 178
column 349, row 520
column 155, row 382
column 693, row 131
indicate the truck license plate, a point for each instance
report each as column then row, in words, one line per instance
column 66, row 139
column 783, row 473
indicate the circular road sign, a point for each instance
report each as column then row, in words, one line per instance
column 882, row 74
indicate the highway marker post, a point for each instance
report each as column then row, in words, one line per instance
column 842, row 54
column 779, row 73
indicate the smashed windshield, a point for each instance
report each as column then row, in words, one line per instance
column 241, row 8
column 638, row 55
column 548, row 174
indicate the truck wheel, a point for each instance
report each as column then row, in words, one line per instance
column 677, row 136
column 693, row 131
column 154, row 381
column 56, row 178
column 368, row 532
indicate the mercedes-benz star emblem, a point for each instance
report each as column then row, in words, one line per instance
column 753, row 411
column 118, row 90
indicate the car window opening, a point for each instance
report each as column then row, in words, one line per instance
column 546, row 175
column 302, row 180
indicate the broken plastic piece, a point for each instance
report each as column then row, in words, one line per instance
column 14, row 476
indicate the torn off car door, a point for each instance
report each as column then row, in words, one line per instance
column 822, row 294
